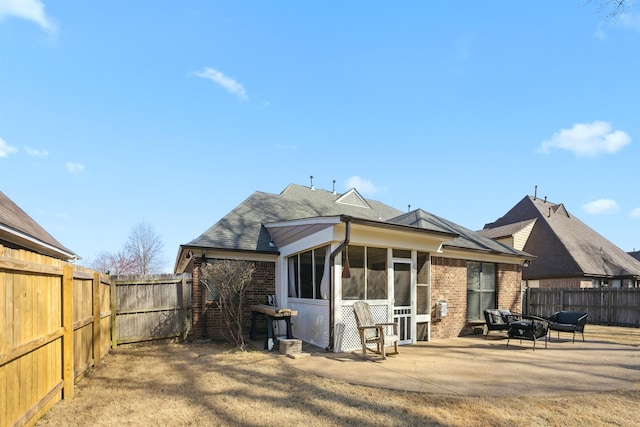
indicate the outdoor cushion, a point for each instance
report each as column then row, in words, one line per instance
column 499, row 320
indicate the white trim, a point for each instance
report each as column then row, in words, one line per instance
column 39, row 243
column 306, row 221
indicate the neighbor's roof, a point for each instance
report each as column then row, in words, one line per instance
column 17, row 229
column 467, row 239
column 506, row 230
column 564, row 245
column 242, row 228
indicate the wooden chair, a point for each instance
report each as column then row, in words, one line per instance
column 374, row 333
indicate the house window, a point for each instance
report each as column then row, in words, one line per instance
column 481, row 288
column 368, row 273
column 308, row 274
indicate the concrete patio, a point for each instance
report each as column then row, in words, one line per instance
column 475, row 366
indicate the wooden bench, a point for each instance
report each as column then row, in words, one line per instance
column 272, row 313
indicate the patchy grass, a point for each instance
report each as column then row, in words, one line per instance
column 213, row 385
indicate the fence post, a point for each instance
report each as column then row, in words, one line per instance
column 114, row 331
column 609, row 306
column 97, row 336
column 67, row 324
column 185, row 314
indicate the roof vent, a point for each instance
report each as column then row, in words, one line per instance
column 334, row 187
column 312, row 187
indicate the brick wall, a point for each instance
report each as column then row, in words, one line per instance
column 566, row 282
column 212, row 324
column 449, row 283
column 509, row 286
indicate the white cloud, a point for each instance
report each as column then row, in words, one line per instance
column 628, row 21
column 601, row 207
column 31, row 10
column 600, row 33
column 227, row 83
column 635, row 213
column 622, row 21
column 363, row 186
column 587, row 139
column 36, row 153
column 74, row 167
column 6, row 149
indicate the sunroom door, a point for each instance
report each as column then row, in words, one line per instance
column 402, row 306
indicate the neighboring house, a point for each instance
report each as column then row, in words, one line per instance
column 19, row 231
column 635, row 254
column 319, row 252
column 568, row 253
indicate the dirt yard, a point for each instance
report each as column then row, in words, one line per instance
column 211, row 385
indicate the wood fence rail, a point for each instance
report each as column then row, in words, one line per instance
column 54, row 325
column 606, row 306
column 150, row 307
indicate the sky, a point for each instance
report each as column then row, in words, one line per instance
column 171, row 113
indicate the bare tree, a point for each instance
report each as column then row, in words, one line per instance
column 113, row 263
column 144, row 248
column 141, row 254
column 227, row 281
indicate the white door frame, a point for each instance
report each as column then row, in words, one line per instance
column 408, row 325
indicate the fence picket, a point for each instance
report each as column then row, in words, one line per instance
column 606, row 306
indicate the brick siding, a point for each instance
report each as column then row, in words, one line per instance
column 211, row 324
column 449, row 283
column 566, row 282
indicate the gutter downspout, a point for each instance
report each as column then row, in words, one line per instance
column 341, row 246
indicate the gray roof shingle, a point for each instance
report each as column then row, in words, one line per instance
column 467, row 239
column 242, row 228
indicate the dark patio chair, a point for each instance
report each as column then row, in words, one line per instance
column 530, row 328
column 499, row 320
column 568, row 321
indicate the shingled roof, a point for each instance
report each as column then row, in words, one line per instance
column 19, row 230
column 564, row 245
column 244, row 227
column 467, row 239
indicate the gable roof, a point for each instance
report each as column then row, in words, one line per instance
column 467, row 239
column 506, row 230
column 19, row 230
column 564, row 245
column 242, row 229
column 248, row 226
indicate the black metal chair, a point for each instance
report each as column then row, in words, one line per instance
column 530, row 328
column 499, row 320
column 568, row 321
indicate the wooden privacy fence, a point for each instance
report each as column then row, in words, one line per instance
column 606, row 306
column 150, row 307
column 55, row 323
